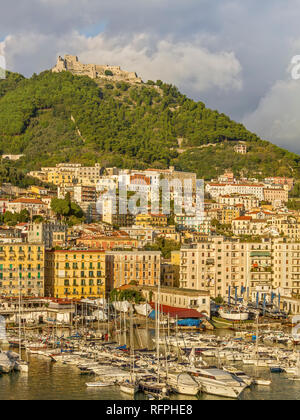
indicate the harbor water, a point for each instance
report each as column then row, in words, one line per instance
column 55, row 381
column 47, row 380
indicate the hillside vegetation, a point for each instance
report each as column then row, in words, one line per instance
column 54, row 117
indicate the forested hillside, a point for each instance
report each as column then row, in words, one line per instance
column 54, row 117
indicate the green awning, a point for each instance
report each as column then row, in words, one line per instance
column 260, row 254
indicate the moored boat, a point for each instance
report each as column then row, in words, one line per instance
column 233, row 315
column 218, row 382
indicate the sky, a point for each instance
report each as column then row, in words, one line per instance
column 234, row 55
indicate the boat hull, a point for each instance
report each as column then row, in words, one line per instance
column 243, row 316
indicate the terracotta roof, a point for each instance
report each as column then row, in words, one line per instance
column 235, row 185
column 27, row 201
column 69, row 251
column 243, row 218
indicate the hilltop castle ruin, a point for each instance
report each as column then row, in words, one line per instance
column 72, row 64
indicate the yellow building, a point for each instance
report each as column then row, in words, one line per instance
column 175, row 258
column 75, row 274
column 22, row 265
column 60, row 178
column 38, row 191
column 151, row 220
column 229, row 214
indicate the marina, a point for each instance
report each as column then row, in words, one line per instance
column 218, row 364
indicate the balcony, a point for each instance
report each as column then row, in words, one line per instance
column 262, row 269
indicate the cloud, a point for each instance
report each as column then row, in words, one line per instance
column 232, row 55
column 189, row 65
column 277, row 115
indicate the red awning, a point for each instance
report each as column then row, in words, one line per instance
column 181, row 313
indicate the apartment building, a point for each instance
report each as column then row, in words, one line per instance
column 246, row 225
column 248, row 201
column 217, row 263
column 286, row 226
column 241, row 149
column 109, row 211
column 170, row 270
column 151, row 220
column 198, row 223
column 220, row 189
column 286, row 265
column 50, row 234
column 33, row 205
column 22, row 269
column 143, row 235
column 141, row 267
column 276, row 196
column 229, row 213
column 75, row 273
column 178, row 178
column 85, row 194
column 277, row 180
column 69, row 173
column 107, row 242
column 3, row 205
column 60, row 178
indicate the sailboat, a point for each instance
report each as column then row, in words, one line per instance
column 130, row 386
column 258, row 380
column 296, row 375
column 21, row 365
column 152, row 385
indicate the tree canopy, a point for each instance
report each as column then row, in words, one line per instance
column 60, row 117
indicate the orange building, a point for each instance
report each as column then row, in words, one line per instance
column 115, row 240
column 123, row 267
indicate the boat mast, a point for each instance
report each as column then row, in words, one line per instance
column 256, row 344
column 158, row 321
column 131, row 347
column 20, row 350
column 108, row 315
column 124, row 319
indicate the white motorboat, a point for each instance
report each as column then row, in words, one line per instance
column 258, row 380
column 151, row 386
column 218, row 382
column 130, row 388
column 6, row 364
column 22, row 366
column 99, row 384
column 261, row 381
column 183, row 384
column 240, row 374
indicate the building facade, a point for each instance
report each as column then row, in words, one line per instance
column 141, row 267
column 22, row 269
column 75, row 274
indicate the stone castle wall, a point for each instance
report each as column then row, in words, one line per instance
column 72, row 64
